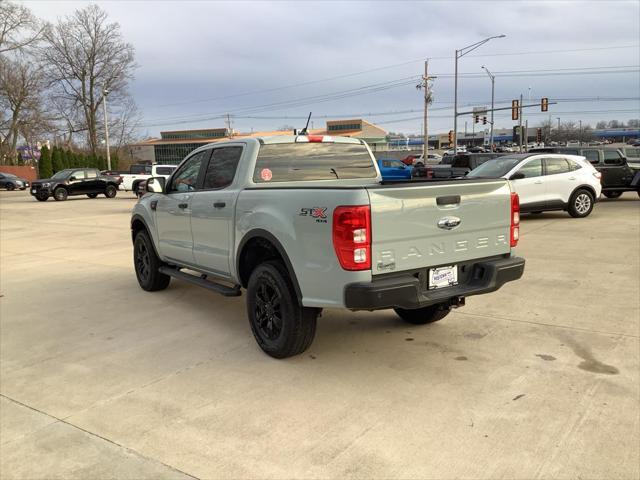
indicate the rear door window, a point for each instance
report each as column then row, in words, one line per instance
column 592, row 155
column 291, row 162
column 556, row 166
column 612, row 157
column 222, row 167
column 532, row 168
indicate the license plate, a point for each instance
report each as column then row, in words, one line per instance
column 33, row 190
column 443, row 277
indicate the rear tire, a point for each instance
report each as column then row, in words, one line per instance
column 92, row 195
column 60, row 194
column 42, row 198
column 281, row 326
column 147, row 264
column 110, row 191
column 581, row 203
column 612, row 194
column 10, row 187
column 424, row 315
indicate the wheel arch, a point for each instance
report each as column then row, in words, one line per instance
column 589, row 188
column 265, row 246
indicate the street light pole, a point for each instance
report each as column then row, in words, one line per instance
column 105, row 92
column 459, row 54
column 493, row 85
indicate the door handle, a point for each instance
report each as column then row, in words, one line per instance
column 219, row 205
column 183, row 205
column 572, row 178
column 539, row 182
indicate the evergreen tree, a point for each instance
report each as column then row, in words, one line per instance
column 56, row 160
column 64, row 158
column 44, row 165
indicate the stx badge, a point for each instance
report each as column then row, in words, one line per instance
column 319, row 213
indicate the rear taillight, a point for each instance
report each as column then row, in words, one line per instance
column 598, row 175
column 352, row 236
column 515, row 219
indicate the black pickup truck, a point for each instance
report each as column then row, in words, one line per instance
column 453, row 166
column 74, row 181
column 617, row 175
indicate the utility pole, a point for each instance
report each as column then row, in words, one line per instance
column 105, row 92
column 229, row 131
column 427, row 96
column 520, row 125
column 493, row 90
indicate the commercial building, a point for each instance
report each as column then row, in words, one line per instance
column 173, row 146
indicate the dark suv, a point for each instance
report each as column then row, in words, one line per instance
column 617, row 175
column 74, row 181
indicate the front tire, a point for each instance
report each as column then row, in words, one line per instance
column 42, row 198
column 281, row 326
column 147, row 264
column 612, row 194
column 424, row 315
column 110, row 191
column 60, row 194
column 10, row 187
column 581, row 203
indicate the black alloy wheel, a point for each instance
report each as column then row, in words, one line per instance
column 60, row 194
column 146, row 264
column 280, row 324
column 110, row 191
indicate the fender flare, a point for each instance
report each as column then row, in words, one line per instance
column 261, row 233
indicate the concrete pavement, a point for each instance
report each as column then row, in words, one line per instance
column 99, row 379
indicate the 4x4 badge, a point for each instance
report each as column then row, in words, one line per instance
column 449, row 223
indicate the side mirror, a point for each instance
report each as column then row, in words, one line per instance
column 517, row 176
column 156, row 184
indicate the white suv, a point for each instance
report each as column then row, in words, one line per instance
column 547, row 181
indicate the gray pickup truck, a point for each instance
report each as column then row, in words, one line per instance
column 305, row 223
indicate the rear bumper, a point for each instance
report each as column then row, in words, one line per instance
column 409, row 290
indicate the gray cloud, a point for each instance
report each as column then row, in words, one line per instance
column 201, row 50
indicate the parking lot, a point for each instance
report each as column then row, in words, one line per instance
column 101, row 379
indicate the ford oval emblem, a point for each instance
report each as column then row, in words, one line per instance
column 449, row 223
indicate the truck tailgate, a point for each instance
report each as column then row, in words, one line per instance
column 405, row 219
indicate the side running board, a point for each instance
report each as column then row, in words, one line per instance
column 202, row 281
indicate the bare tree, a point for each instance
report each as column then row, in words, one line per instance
column 21, row 90
column 86, row 56
column 124, row 125
column 18, row 27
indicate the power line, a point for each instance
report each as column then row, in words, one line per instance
column 386, row 67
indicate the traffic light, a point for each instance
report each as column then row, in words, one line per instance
column 450, row 136
column 544, row 104
column 484, row 120
column 515, row 109
column 477, row 119
column 539, row 135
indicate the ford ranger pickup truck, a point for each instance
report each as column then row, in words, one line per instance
column 305, row 222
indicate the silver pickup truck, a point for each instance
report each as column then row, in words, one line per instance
column 305, row 223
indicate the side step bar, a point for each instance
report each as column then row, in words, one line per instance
column 202, row 282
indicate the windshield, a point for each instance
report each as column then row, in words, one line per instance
column 498, row 167
column 61, row 174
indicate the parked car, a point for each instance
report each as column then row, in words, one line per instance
column 140, row 172
column 9, row 181
column 418, row 160
column 617, row 175
column 459, row 165
column 74, row 181
column 547, row 181
column 476, row 149
column 461, row 149
column 392, row 169
column 302, row 222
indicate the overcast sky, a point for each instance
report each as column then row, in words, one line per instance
column 201, row 59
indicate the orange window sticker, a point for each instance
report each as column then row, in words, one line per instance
column 266, row 174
